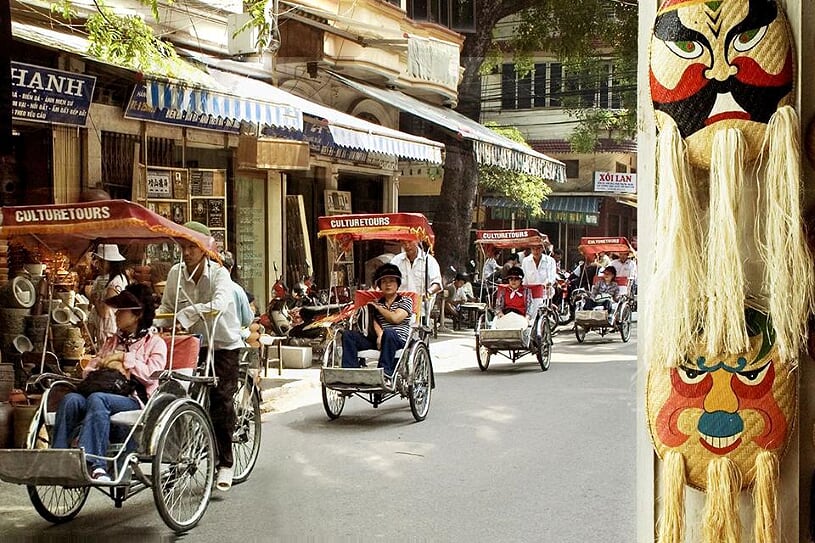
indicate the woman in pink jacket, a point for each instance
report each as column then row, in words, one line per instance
column 136, row 351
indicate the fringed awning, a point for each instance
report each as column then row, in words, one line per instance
column 490, row 147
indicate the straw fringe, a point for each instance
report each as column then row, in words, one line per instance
column 788, row 270
column 765, row 497
column 720, row 520
column 724, row 325
column 676, row 269
column 672, row 524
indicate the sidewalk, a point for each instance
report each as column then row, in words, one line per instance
column 295, row 388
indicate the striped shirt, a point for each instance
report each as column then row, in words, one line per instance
column 403, row 328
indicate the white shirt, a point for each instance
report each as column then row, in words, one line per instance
column 464, row 293
column 541, row 273
column 214, row 290
column 625, row 269
column 490, row 266
column 413, row 274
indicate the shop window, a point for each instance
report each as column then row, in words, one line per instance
column 458, row 15
column 619, row 167
column 117, row 163
column 572, row 169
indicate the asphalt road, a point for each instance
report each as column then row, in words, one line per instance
column 511, row 454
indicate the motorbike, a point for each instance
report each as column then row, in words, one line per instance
column 297, row 315
column 562, row 303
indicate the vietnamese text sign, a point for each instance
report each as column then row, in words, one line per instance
column 158, row 184
column 139, row 109
column 615, row 182
column 50, row 96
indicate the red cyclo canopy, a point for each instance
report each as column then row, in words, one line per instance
column 591, row 246
column 507, row 239
column 73, row 227
column 376, row 226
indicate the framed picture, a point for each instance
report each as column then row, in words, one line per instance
column 159, row 184
column 179, row 186
column 165, row 210
column 216, row 214
column 337, row 202
column 195, row 182
column 179, row 212
column 200, row 212
column 220, row 239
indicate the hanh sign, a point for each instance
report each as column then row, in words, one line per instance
column 615, row 182
column 44, row 95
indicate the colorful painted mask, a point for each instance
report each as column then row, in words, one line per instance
column 730, row 406
column 720, row 64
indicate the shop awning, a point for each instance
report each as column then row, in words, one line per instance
column 583, row 210
column 572, row 204
column 507, row 203
column 208, row 102
column 345, row 130
column 491, row 148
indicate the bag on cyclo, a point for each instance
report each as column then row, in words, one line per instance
column 105, row 380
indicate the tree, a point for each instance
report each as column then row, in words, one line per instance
column 570, row 29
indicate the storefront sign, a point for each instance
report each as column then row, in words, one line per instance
column 50, row 96
column 139, row 109
column 615, row 182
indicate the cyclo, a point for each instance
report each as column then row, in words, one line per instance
column 492, row 336
column 413, row 375
column 597, row 319
column 169, row 445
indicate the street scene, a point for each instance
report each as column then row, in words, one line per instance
column 510, row 454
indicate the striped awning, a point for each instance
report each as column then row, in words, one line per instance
column 200, row 101
column 507, row 203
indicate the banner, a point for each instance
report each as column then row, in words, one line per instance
column 44, row 95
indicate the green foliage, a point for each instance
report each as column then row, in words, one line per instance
column 128, row 41
column 64, row 8
column 595, row 123
column 585, row 35
column 268, row 34
column 527, row 190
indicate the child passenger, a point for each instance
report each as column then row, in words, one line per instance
column 515, row 298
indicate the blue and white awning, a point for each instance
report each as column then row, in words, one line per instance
column 196, row 101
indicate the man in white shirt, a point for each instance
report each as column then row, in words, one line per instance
column 206, row 286
column 412, row 262
column 490, row 265
column 625, row 266
column 539, row 269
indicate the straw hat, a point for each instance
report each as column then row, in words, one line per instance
column 109, row 252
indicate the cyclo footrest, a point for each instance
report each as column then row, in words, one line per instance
column 362, row 377
column 60, row 467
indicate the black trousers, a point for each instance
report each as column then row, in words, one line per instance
column 221, row 406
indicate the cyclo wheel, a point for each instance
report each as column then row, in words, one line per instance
column 248, row 429
column 56, row 504
column 544, row 338
column 580, row 333
column 333, row 401
column 184, row 467
column 420, row 381
column 625, row 323
column 482, row 353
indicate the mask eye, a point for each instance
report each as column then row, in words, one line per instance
column 685, row 49
column 748, row 39
column 753, row 377
column 691, row 376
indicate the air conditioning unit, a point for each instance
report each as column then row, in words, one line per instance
column 241, row 43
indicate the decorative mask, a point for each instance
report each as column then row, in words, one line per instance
column 724, row 406
column 720, row 64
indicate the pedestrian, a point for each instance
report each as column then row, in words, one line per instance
column 195, row 286
column 112, row 280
